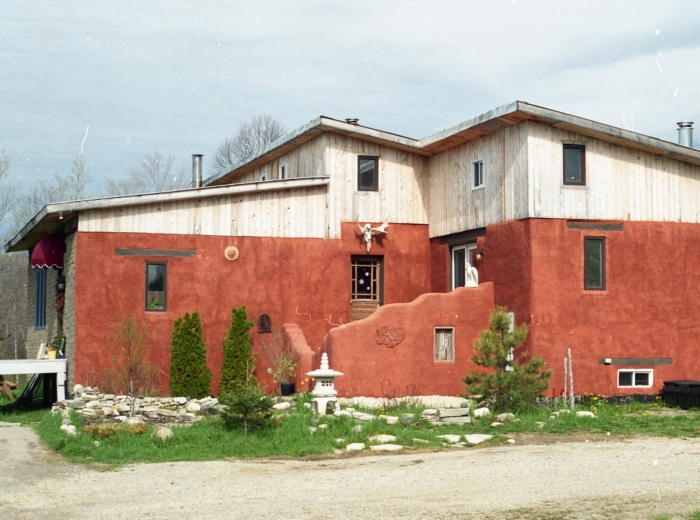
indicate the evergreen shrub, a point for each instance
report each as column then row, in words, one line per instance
column 189, row 374
column 239, row 363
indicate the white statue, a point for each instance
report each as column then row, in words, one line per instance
column 368, row 231
column 471, row 275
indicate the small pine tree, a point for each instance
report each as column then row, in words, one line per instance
column 238, row 355
column 189, row 374
column 247, row 406
column 513, row 385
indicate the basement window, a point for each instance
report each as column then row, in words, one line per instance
column 367, row 173
column 574, row 165
column 632, row 378
column 444, row 348
column 156, row 286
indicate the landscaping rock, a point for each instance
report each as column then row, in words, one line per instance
column 421, row 441
column 391, row 420
column 495, row 424
column 455, row 420
column 164, row 433
column 180, row 400
column 322, row 426
column 312, row 429
column 450, row 438
column 357, row 428
column 585, row 414
column 539, row 424
column 307, row 405
column 69, row 429
column 166, row 413
column 477, row 438
column 209, row 410
column 137, row 419
column 341, row 412
column 481, row 412
column 407, row 419
column 363, row 416
column 430, row 412
column 464, row 405
column 386, row 447
column 193, row 407
column 455, row 412
column 70, row 403
column 382, row 438
column 503, row 417
column 78, row 389
column 340, row 439
column 66, row 421
column 355, row 446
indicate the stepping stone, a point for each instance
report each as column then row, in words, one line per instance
column 458, row 412
column 503, row 417
column 421, row 441
column 586, row 414
column 456, row 420
column 477, row 438
column 386, row 447
column 481, row 412
column 355, row 446
column 382, row 439
column 450, row 438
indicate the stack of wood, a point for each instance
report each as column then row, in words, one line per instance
column 6, row 388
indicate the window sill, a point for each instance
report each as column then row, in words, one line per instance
column 475, row 188
column 40, row 328
column 574, row 187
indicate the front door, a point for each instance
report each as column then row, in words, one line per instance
column 366, row 286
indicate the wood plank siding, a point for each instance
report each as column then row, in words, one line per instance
column 284, row 213
column 455, row 207
column 622, row 183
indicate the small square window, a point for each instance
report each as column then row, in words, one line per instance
column 574, row 164
column 477, row 174
column 444, row 349
column 283, row 171
column 263, row 177
column 632, row 378
column 594, row 263
column 367, row 173
column 156, row 287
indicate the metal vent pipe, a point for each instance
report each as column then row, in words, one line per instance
column 352, row 121
column 196, row 170
column 685, row 133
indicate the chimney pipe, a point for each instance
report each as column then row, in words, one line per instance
column 196, row 170
column 685, row 133
column 352, row 121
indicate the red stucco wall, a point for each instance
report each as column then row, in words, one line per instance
column 409, row 368
column 650, row 308
column 304, row 281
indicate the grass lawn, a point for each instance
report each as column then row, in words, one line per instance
column 209, row 440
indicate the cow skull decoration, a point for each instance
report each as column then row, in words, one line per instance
column 368, row 231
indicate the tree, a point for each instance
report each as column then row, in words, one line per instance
column 155, row 173
column 513, row 384
column 250, row 138
column 247, row 405
column 13, row 306
column 7, row 191
column 239, row 362
column 189, row 374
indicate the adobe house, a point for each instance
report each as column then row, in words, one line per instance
column 586, row 232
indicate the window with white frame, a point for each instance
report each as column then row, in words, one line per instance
column 283, row 171
column 460, row 256
column 444, row 347
column 477, row 174
column 632, row 378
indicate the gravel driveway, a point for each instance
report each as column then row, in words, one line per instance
column 602, row 478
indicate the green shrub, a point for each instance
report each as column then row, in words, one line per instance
column 189, row 374
column 511, row 385
column 247, row 405
column 238, row 356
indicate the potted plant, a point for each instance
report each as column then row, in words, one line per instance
column 55, row 348
column 283, row 359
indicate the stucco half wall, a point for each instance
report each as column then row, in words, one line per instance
column 376, row 369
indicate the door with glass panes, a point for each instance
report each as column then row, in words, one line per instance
column 460, row 255
column 366, row 286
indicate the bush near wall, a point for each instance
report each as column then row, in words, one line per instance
column 239, row 362
column 189, row 374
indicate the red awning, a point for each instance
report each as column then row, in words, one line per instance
column 48, row 252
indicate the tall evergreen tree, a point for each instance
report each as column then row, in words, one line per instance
column 189, row 374
column 239, row 361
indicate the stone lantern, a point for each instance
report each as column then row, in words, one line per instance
column 324, row 392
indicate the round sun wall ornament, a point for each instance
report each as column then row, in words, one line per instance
column 231, row 253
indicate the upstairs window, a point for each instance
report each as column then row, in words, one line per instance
column 574, row 165
column 594, row 263
column 477, row 174
column 283, row 171
column 156, row 287
column 367, row 173
column 40, row 299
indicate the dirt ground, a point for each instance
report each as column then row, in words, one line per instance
column 586, row 477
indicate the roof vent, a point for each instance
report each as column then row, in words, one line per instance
column 685, row 133
column 196, row 170
column 352, row 121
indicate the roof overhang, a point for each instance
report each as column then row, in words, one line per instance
column 53, row 216
column 519, row 111
column 305, row 134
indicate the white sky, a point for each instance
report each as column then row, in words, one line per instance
column 178, row 77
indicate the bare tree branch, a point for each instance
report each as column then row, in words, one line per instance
column 251, row 137
column 155, row 173
column 7, row 191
